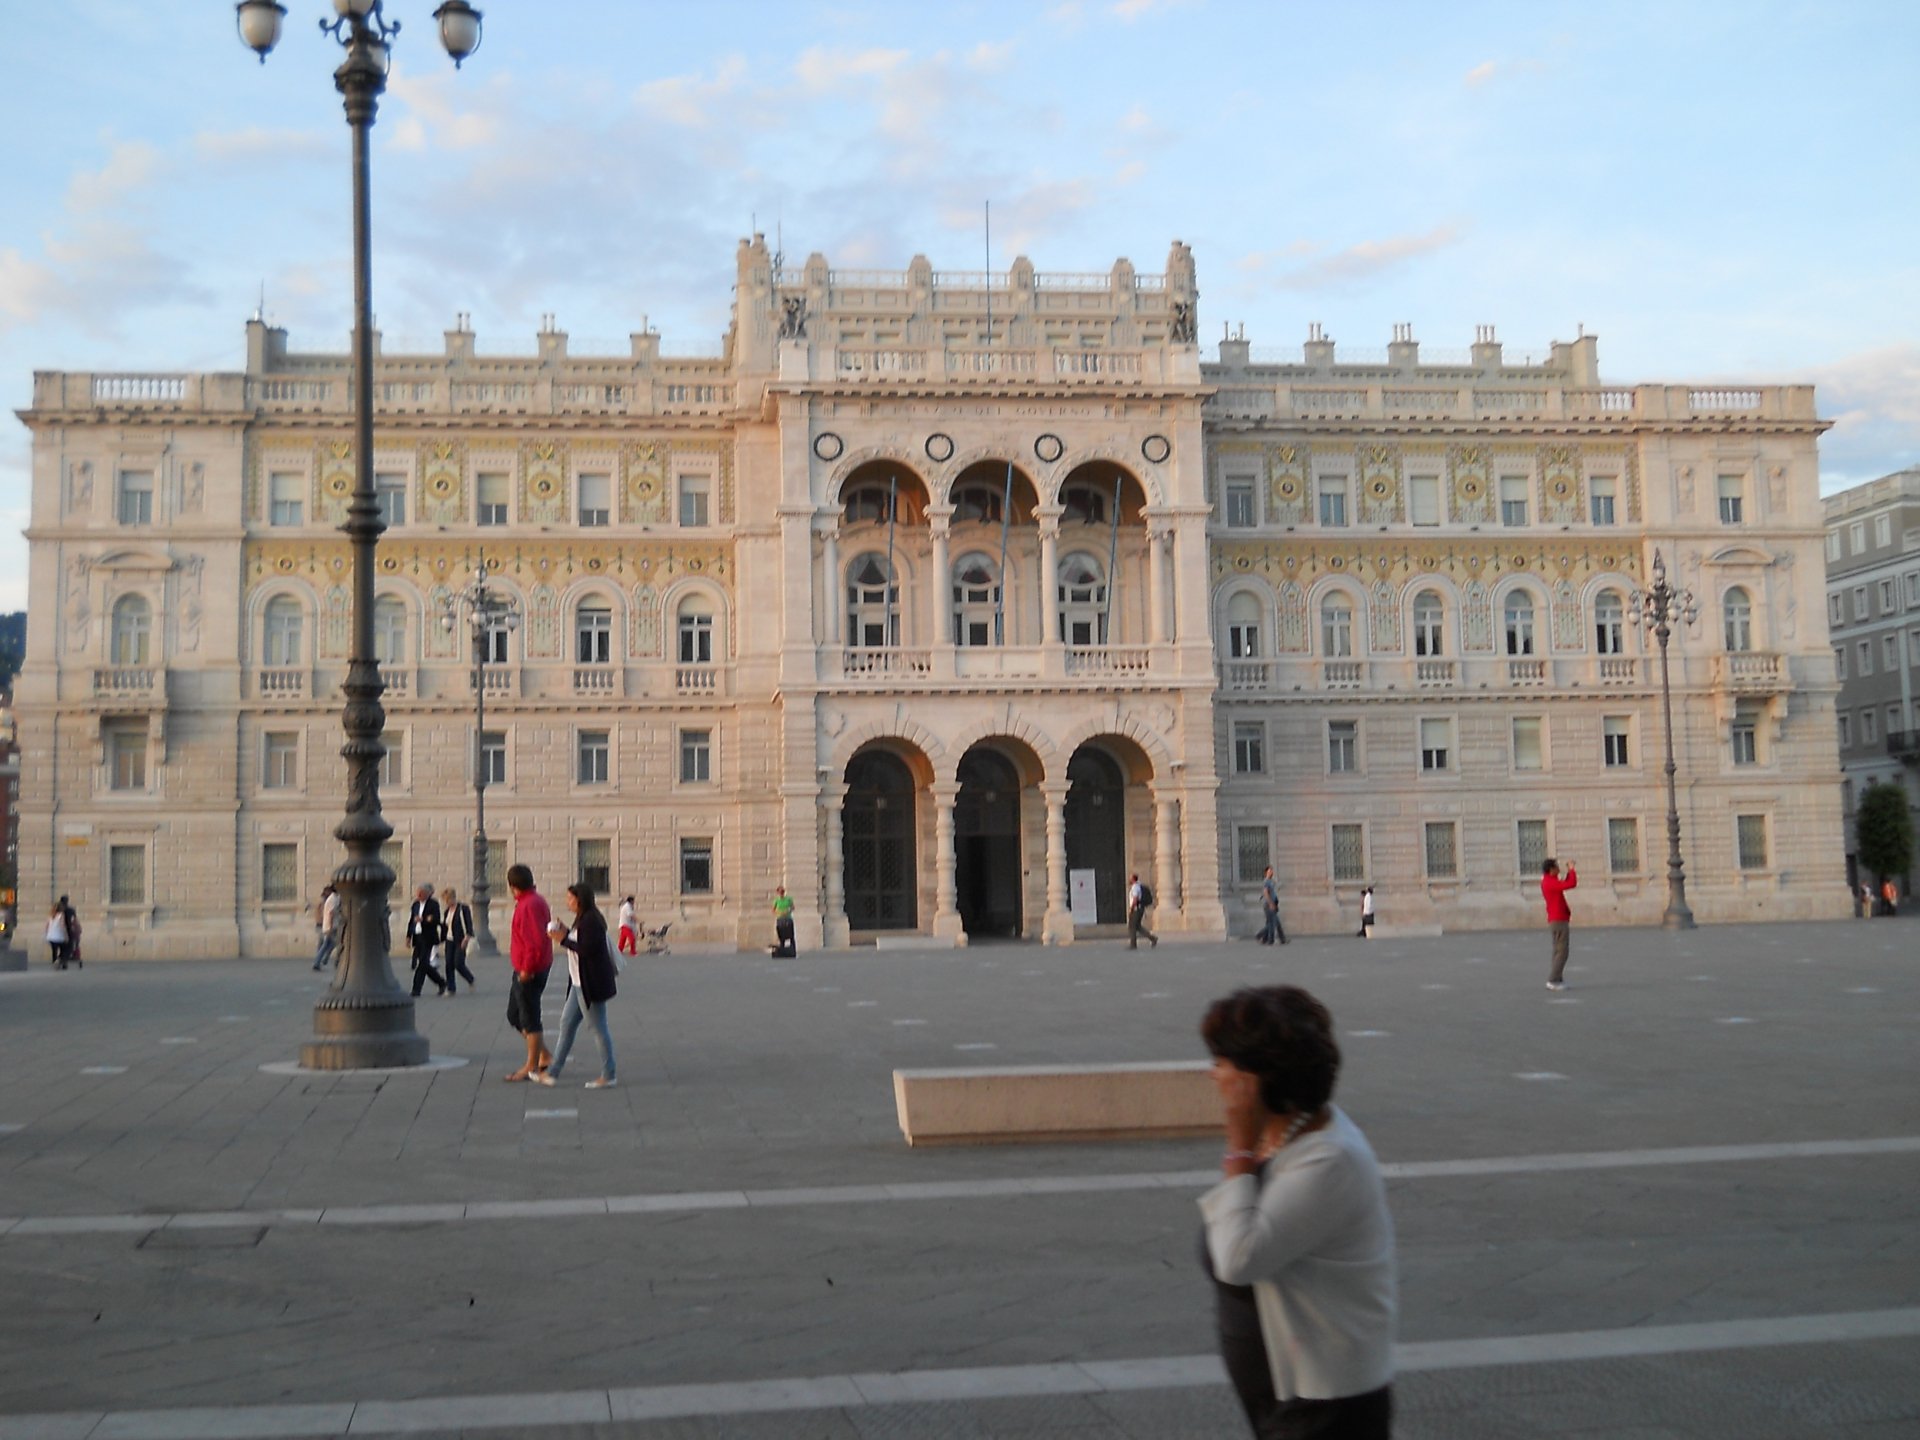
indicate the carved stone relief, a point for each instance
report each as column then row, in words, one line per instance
column 1568, row 629
column 543, row 483
column 1467, row 469
column 1476, row 618
column 1379, row 469
column 192, row 606
column 1559, row 484
column 442, row 466
column 543, row 624
column 1293, row 619
column 645, row 619
column 336, row 631
column 79, row 603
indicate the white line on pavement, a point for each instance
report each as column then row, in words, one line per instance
column 685, row 1201
column 850, row 1392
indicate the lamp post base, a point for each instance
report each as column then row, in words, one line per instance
column 362, row 1032
column 1677, row 917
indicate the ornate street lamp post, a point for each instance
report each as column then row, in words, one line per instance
column 366, row 1020
column 1660, row 607
column 488, row 615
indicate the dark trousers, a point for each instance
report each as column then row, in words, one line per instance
column 1352, row 1417
column 457, row 964
column 783, row 932
column 423, row 969
column 1137, row 926
column 1561, row 930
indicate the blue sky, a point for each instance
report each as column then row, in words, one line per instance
column 1720, row 191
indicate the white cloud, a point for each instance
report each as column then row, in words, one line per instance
column 430, row 115
column 1367, row 259
column 132, row 165
column 257, row 143
column 1482, row 73
column 821, row 70
column 1873, row 398
column 694, row 102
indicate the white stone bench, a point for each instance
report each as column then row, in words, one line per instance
column 995, row 1105
column 1430, row 931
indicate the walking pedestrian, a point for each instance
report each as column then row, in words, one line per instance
column 530, row 952
column 326, row 915
column 1559, row 916
column 73, row 940
column 785, row 949
column 1139, row 901
column 629, row 928
column 423, row 933
column 1298, row 1239
column 458, row 918
column 57, row 933
column 1270, row 930
column 1890, row 896
column 1366, row 913
column 591, row 969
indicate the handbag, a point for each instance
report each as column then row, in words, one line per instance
column 613, row 954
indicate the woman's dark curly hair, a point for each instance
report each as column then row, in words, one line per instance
column 1283, row 1035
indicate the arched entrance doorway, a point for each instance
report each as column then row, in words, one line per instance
column 1097, row 829
column 877, row 847
column 986, row 841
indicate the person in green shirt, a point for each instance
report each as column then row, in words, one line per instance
column 783, row 924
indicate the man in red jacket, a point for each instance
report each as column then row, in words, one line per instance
column 1559, row 918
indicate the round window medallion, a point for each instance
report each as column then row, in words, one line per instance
column 1049, row 448
column 828, row 446
column 1381, row 488
column 939, row 447
column 339, row 484
column 544, row 487
column 1156, row 448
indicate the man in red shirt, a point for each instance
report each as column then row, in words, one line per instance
column 530, row 951
column 1559, row 918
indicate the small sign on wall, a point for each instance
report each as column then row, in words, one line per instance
column 1080, row 901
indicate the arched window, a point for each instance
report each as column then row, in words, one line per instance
column 1519, row 618
column 1609, row 623
column 977, row 505
column 1081, row 590
column 696, row 631
column 1736, row 613
column 1429, row 624
column 1083, row 504
column 976, row 600
column 1336, row 627
column 132, row 630
column 1243, row 626
column 869, row 504
column 389, row 630
column 283, row 629
column 593, row 633
column 873, row 602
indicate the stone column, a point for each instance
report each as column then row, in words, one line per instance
column 1158, row 599
column 830, row 563
column 1056, row 928
column 940, row 628
column 1166, row 871
column 1052, row 656
column 946, row 914
column 834, row 923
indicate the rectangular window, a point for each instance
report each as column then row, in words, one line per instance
column 1863, row 656
column 1745, row 738
column 1846, row 731
column 286, row 498
column 1859, row 602
column 593, row 756
column 1833, row 545
column 696, row 639
column 1423, row 499
column 1436, row 745
column 1887, row 605
column 492, row 498
column 1250, row 853
column 1443, row 861
column 1834, row 615
column 1732, row 492
column 1857, row 537
column 594, row 862
column 593, row 635
column 1893, row 719
column 696, row 867
column 390, row 491
column 1530, row 843
column 1883, row 530
column 1249, row 747
column 493, row 756
column 1333, row 500
column 1752, row 833
column 1913, row 589
column 1890, row 653
column 1349, row 853
column 127, row 757
column 280, row 766
column 496, row 642
column 1615, row 733
column 596, row 500
column 136, row 497
column 1513, row 499
column 126, row 875
column 693, row 500
column 1343, row 747
column 696, row 757
column 1623, row 845
column 1839, row 662
column 1529, row 742
column 393, row 764
column 1240, row 504
column 1601, row 491
column 1869, row 727
column 280, row 874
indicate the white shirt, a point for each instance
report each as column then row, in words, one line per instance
column 329, row 910
column 1366, row 903
column 1134, row 895
column 1316, row 1243
column 626, row 914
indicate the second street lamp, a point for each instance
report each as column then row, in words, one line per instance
column 492, row 618
column 365, row 1021
column 1659, row 607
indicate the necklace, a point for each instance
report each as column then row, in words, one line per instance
column 1294, row 1127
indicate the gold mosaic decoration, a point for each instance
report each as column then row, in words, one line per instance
column 547, row 561
column 1396, row 562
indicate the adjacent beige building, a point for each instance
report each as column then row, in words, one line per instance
column 947, row 600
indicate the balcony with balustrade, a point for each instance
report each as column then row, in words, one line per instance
column 129, row 682
column 1428, row 675
column 1751, row 672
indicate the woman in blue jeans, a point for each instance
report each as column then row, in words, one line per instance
column 591, row 969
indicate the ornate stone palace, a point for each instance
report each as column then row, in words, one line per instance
column 946, row 600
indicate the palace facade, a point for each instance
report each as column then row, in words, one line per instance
column 948, row 601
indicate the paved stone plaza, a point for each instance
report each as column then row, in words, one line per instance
column 1678, row 1200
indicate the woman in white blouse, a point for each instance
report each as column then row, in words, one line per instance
column 1298, row 1239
